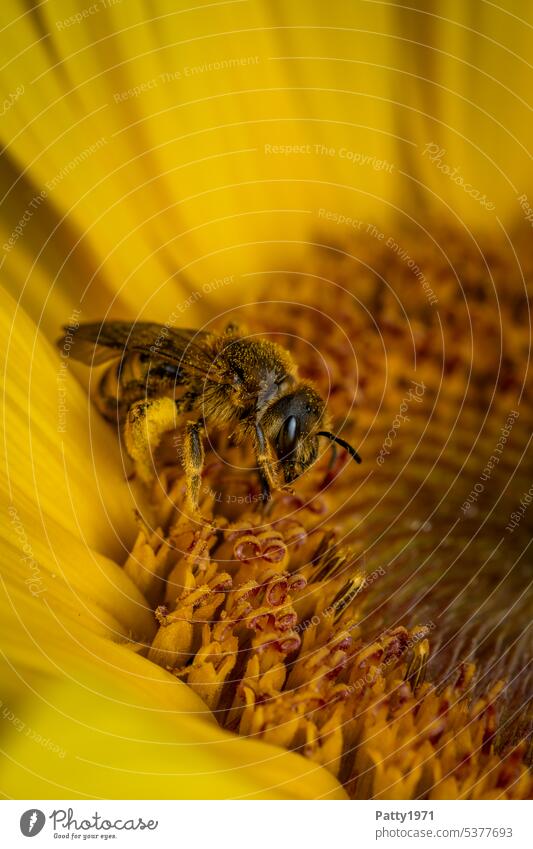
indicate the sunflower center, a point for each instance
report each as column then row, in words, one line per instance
column 298, row 622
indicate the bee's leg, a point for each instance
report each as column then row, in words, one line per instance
column 265, row 486
column 193, row 461
column 264, row 464
column 146, row 423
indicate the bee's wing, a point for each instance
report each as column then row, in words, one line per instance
column 95, row 343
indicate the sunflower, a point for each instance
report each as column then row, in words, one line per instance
column 353, row 181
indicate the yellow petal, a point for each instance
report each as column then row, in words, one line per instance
column 69, row 580
column 87, row 718
column 153, row 133
column 60, row 460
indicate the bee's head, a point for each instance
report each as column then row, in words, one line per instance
column 293, row 424
column 290, row 425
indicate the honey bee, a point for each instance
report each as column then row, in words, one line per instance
column 161, row 377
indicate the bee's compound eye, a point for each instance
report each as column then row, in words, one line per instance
column 288, row 436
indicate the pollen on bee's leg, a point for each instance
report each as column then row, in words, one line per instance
column 193, row 460
column 146, row 423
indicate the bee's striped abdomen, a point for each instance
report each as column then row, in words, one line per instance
column 131, row 379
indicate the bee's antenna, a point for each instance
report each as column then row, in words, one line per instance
column 342, row 443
